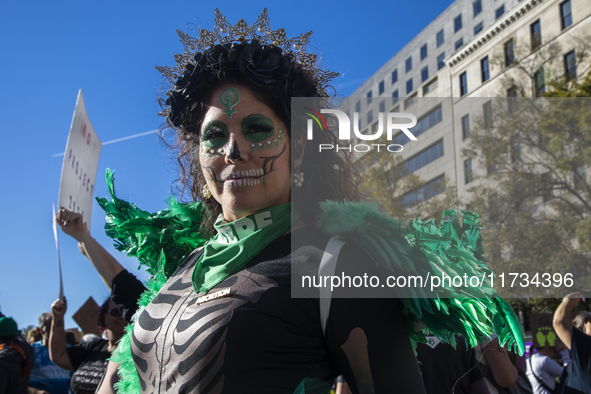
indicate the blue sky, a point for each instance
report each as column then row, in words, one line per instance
column 109, row 49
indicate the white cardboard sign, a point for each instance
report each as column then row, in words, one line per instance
column 80, row 164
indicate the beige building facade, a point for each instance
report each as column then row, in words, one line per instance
column 517, row 53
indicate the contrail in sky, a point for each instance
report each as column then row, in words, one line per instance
column 118, row 140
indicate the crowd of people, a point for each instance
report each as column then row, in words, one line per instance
column 219, row 315
column 43, row 362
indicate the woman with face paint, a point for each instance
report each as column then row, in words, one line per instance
column 224, row 318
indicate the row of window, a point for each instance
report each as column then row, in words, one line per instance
column 425, row 157
column 425, row 123
column 429, row 190
column 578, row 175
column 536, row 40
column 570, row 72
column 477, row 8
column 509, row 54
column 440, row 39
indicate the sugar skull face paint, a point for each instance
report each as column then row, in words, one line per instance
column 230, row 98
column 244, row 178
column 261, row 133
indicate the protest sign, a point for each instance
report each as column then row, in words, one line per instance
column 80, row 164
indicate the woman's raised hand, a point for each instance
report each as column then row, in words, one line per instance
column 72, row 223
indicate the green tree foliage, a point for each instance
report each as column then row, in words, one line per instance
column 536, row 195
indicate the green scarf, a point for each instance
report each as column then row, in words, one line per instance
column 236, row 243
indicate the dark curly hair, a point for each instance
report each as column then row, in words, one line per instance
column 274, row 78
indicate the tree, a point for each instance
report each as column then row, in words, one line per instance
column 400, row 194
column 25, row 330
column 531, row 73
column 536, row 196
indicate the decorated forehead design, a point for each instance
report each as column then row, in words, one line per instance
column 230, row 98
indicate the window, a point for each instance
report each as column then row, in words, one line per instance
column 440, row 62
column 515, row 152
column 381, row 88
column 465, row 127
column 536, row 34
column 423, row 51
column 410, row 101
column 478, row 28
column 570, row 65
column 487, row 114
column 374, row 127
column 383, row 106
column 566, row 16
column 477, row 7
column 369, row 97
column 512, row 99
column 394, row 76
column 369, row 116
column 395, row 97
column 409, row 86
column 423, row 124
column 457, row 23
column 425, row 73
column 509, row 53
column 484, row 69
column 429, row 190
column 425, row 157
column 430, row 86
column 547, row 188
column 539, row 83
column 491, row 166
column 499, row 11
column 467, row 171
column 358, row 106
column 579, row 178
column 463, row 84
column 408, row 64
column 459, row 43
column 440, row 38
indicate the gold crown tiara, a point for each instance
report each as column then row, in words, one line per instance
column 223, row 33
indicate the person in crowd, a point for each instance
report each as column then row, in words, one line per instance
column 88, row 360
column 542, row 370
column 498, row 370
column 34, row 335
column 448, row 370
column 16, row 358
column 71, row 338
column 46, row 377
column 125, row 287
column 522, row 379
column 577, row 337
column 89, row 338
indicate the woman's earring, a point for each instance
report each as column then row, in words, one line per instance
column 298, row 178
column 206, row 191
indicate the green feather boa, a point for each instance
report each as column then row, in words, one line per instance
column 161, row 241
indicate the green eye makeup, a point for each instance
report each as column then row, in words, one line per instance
column 257, row 127
column 214, row 134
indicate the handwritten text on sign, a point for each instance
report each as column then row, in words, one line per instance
column 80, row 164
